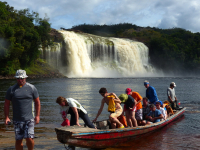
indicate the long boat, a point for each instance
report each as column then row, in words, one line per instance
column 103, row 137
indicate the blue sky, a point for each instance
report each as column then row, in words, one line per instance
column 154, row 13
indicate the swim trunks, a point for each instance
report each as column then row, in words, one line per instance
column 24, row 129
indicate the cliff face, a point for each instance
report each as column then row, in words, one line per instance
column 56, row 36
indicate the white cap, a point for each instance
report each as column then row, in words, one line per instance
column 20, row 74
column 173, row 84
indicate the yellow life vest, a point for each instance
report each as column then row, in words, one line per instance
column 111, row 104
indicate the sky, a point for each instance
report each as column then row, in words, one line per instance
column 163, row 14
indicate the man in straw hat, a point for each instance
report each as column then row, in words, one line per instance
column 22, row 95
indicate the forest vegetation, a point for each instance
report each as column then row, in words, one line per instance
column 22, row 33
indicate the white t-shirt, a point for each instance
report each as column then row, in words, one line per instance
column 171, row 93
column 72, row 103
column 162, row 110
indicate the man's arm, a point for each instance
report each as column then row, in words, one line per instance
column 100, row 110
column 168, row 94
column 134, row 104
column 154, row 93
column 139, row 97
column 170, row 99
column 148, row 116
column 137, row 102
column 159, row 117
column 175, row 99
column 37, row 108
column 6, row 111
column 116, row 99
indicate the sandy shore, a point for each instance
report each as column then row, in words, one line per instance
column 45, row 139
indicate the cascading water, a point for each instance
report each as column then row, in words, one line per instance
column 86, row 55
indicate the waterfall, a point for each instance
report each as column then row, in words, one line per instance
column 86, row 55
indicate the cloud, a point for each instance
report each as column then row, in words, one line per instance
column 155, row 13
column 184, row 14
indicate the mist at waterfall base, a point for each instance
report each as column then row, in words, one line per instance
column 86, row 55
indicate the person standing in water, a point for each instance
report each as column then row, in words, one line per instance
column 108, row 97
column 23, row 95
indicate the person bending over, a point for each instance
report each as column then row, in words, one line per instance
column 75, row 109
column 138, row 98
column 108, row 98
column 129, row 108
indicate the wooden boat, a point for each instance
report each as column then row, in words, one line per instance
column 104, row 137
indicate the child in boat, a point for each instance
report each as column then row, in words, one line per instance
column 162, row 110
column 74, row 108
column 129, row 108
column 111, row 99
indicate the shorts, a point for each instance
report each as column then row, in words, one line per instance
column 134, row 109
column 138, row 115
column 24, row 129
column 117, row 112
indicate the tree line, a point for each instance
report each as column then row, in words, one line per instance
column 22, row 33
column 172, row 50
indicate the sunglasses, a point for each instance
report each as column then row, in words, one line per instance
column 20, row 78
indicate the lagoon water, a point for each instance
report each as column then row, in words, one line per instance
column 184, row 133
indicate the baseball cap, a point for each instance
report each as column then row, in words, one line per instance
column 128, row 91
column 173, row 84
column 20, row 74
column 123, row 97
column 146, row 82
column 161, row 103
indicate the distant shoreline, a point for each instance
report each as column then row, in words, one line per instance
column 51, row 75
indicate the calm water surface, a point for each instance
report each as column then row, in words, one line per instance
column 181, row 134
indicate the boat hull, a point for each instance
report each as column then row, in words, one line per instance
column 93, row 138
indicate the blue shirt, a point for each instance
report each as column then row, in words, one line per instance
column 22, row 101
column 154, row 114
column 151, row 94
